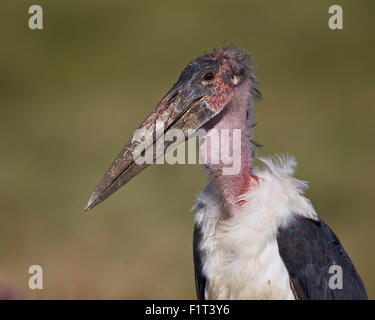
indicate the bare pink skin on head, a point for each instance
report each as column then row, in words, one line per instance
column 222, row 92
column 233, row 116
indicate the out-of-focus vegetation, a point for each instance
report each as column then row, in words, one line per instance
column 72, row 94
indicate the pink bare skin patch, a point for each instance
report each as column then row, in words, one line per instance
column 222, row 92
column 232, row 117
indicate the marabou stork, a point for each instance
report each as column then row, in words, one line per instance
column 256, row 235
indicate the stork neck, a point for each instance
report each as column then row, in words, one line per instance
column 234, row 119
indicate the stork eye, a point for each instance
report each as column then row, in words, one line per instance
column 208, row 76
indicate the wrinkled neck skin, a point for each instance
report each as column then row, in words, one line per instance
column 230, row 187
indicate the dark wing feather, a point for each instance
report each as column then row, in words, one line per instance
column 308, row 249
column 200, row 279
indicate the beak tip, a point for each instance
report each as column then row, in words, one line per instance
column 91, row 203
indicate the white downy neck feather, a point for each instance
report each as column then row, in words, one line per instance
column 240, row 255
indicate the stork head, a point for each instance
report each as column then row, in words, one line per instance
column 204, row 89
column 215, row 78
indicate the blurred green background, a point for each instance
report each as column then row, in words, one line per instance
column 72, row 94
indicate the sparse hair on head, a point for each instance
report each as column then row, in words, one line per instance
column 240, row 60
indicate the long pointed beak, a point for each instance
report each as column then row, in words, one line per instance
column 175, row 111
